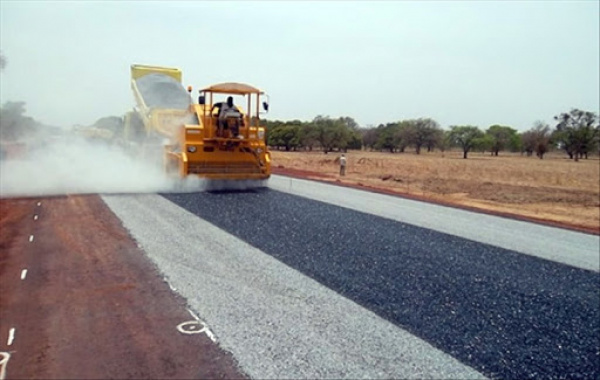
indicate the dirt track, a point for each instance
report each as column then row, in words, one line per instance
column 91, row 304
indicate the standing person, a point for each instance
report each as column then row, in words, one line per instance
column 343, row 165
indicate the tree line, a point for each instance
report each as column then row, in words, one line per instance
column 577, row 132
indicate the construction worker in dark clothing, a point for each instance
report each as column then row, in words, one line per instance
column 229, row 111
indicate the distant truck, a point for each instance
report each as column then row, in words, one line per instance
column 208, row 139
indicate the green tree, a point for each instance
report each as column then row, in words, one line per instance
column 445, row 141
column 576, row 132
column 272, row 133
column 387, row 137
column 465, row 137
column 308, row 135
column 424, row 132
column 501, row 137
column 516, row 144
column 435, row 139
column 285, row 135
column 349, row 123
column 350, row 136
column 355, row 141
column 484, row 143
column 342, row 135
column 405, row 135
column 290, row 136
column 331, row 133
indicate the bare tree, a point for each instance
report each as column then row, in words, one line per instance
column 541, row 133
column 537, row 139
column 528, row 140
column 369, row 137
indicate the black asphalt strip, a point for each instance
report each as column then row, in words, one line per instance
column 506, row 314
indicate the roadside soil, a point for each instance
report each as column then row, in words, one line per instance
column 91, row 304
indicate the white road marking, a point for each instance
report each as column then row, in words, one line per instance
column 4, row 356
column 167, row 281
column 35, row 217
column 11, row 336
column 193, row 315
column 30, row 238
column 194, row 327
column 209, row 334
column 191, row 327
column 23, row 274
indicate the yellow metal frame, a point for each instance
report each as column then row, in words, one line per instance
column 138, row 71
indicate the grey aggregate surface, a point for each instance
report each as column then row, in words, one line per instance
column 573, row 248
column 283, row 257
column 162, row 91
column 506, row 314
column 277, row 322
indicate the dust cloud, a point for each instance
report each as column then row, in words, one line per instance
column 74, row 165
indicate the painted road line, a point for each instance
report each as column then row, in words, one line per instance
column 11, row 336
column 23, row 274
column 4, row 356
column 193, row 327
column 193, row 315
column 30, row 238
column 170, row 286
column 35, row 217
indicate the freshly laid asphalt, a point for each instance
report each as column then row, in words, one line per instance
column 505, row 314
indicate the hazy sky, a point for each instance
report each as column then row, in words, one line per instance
column 473, row 62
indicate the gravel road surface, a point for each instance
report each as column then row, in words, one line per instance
column 297, row 288
column 561, row 245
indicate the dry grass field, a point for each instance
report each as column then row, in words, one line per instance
column 555, row 189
